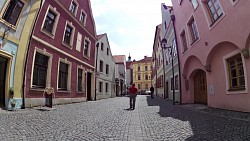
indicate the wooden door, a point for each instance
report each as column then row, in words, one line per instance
column 200, row 87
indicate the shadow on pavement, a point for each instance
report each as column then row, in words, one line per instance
column 204, row 126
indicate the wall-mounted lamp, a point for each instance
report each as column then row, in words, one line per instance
column 245, row 53
column 208, row 67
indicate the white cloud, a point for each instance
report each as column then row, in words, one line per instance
column 129, row 24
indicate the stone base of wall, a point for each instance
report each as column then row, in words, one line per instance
column 31, row 102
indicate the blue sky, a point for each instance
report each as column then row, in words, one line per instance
column 129, row 24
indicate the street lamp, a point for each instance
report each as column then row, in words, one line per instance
column 164, row 46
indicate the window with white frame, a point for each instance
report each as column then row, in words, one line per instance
column 102, row 46
column 236, row 73
column 176, row 82
column 101, row 66
column 194, row 3
column 193, row 30
column 12, row 12
column 146, row 68
column 83, row 17
column 86, row 50
column 63, row 76
column 50, row 21
column 100, row 87
column 214, row 9
column 108, row 51
column 80, row 80
column 139, row 77
column 174, row 48
column 146, row 77
column 107, row 87
column 79, row 42
column 184, row 41
column 107, row 69
column 40, row 70
column 68, row 34
column 73, row 7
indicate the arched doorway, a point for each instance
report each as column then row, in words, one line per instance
column 200, row 87
column 3, row 68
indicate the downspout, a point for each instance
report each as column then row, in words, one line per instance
column 173, row 21
column 26, row 59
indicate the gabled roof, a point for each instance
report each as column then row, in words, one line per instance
column 100, row 36
column 119, row 58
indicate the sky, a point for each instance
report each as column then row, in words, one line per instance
column 129, row 24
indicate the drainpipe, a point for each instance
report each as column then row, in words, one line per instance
column 26, row 59
column 180, row 91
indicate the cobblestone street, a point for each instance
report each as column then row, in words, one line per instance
column 152, row 120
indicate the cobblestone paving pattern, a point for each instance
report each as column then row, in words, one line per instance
column 107, row 120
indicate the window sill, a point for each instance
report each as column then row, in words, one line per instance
column 86, row 57
column 63, row 91
column 14, row 27
column 67, row 45
column 213, row 24
column 51, row 35
column 237, row 89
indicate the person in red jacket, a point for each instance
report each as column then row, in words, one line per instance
column 132, row 96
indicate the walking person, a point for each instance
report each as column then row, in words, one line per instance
column 132, row 96
column 152, row 91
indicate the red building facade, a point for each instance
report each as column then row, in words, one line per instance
column 62, row 53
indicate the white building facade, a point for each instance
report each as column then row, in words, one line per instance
column 105, row 69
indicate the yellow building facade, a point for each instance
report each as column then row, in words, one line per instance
column 15, row 32
column 142, row 74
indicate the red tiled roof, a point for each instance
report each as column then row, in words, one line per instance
column 128, row 64
column 119, row 58
column 100, row 36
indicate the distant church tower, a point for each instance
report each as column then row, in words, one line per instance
column 129, row 58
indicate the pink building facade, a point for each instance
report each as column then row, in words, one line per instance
column 62, row 53
column 213, row 39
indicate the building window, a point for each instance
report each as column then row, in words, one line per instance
column 101, row 66
column 108, row 51
column 176, row 82
column 139, row 86
column 193, row 30
column 63, row 76
column 172, row 83
column 194, row 3
column 214, row 9
column 13, row 11
column 139, row 69
column 184, row 41
column 68, row 35
column 79, row 42
column 236, row 73
column 107, row 88
column 146, row 85
column 146, row 68
column 146, row 77
column 174, row 50
column 139, row 77
column 86, row 47
column 83, row 18
column 80, row 80
column 102, row 46
column 40, row 71
column 107, row 69
column 100, row 87
column 73, row 7
column 49, row 22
